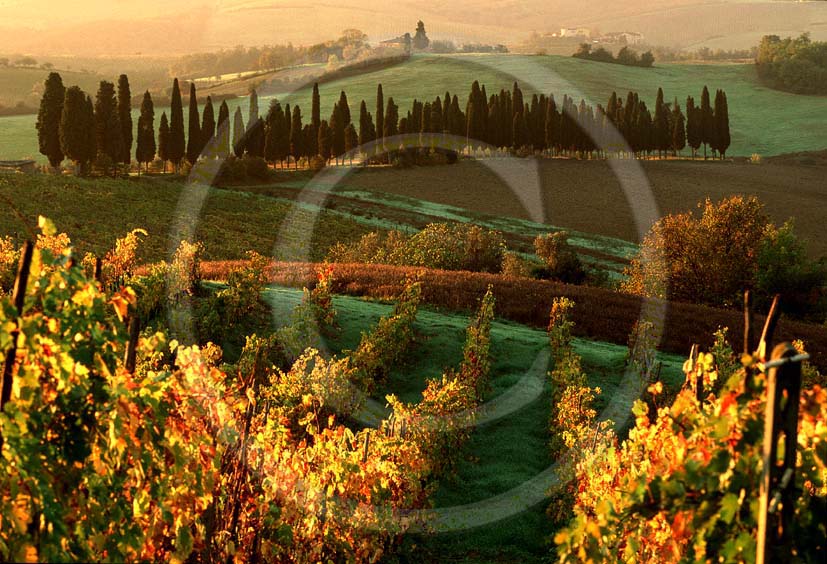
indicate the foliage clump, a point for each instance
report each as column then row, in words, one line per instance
column 444, row 246
column 732, row 247
column 685, row 483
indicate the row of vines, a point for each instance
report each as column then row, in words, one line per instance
column 183, row 457
column 683, row 486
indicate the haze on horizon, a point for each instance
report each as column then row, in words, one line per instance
column 122, row 27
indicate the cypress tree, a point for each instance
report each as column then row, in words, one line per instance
column 207, row 124
column 722, row 133
column 315, row 108
column 519, row 134
column 611, row 107
column 145, row 147
column 391, row 119
column 517, row 99
column 125, row 117
column 436, row 116
column 707, row 121
column 365, row 124
column 253, row 108
column 344, row 109
column 195, row 140
column 309, row 139
column 164, row 140
column 629, row 123
column 274, row 128
column 424, row 122
column 254, row 142
column 552, row 125
column 391, row 122
column 693, row 136
column 296, row 135
column 644, row 130
column 678, row 128
column 108, row 138
column 91, row 134
column 324, row 141
column 494, row 120
column 351, row 141
column 72, row 129
column 223, row 130
column 380, row 116
column 663, row 135
column 457, row 118
column 238, row 133
column 48, row 119
column 473, row 115
column 337, row 125
column 177, row 143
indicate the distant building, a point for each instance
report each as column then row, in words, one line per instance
column 575, row 32
column 403, row 42
column 623, row 37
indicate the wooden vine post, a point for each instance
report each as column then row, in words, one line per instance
column 777, row 501
column 749, row 331
column 19, row 298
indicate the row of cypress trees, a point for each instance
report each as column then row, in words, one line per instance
column 70, row 126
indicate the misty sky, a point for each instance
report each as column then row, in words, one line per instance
column 179, row 26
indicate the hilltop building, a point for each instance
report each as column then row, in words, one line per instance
column 576, row 32
column 418, row 42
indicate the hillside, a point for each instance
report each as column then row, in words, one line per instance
column 754, row 110
column 26, row 84
column 762, row 120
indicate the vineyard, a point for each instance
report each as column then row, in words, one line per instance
column 190, row 411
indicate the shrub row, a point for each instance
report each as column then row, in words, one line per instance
column 601, row 314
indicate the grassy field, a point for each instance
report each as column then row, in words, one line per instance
column 95, row 212
column 763, row 121
column 502, row 454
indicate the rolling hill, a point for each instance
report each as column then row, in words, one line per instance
column 762, row 120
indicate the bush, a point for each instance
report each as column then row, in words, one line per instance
column 783, row 268
column 561, row 261
column 317, row 163
column 256, row 167
column 516, row 266
column 439, row 245
column 712, row 259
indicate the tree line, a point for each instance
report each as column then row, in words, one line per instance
column 71, row 126
column 796, row 65
column 624, row 57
